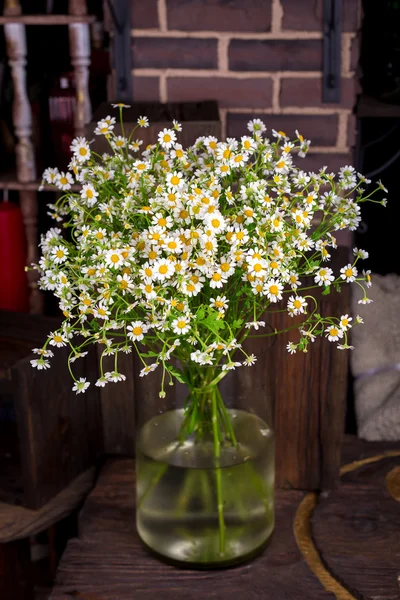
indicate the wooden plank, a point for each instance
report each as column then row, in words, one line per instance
column 15, row 571
column 109, row 562
column 356, row 529
column 60, row 432
column 309, row 398
column 118, row 408
column 47, row 19
column 17, row 522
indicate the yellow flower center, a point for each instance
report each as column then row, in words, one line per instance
column 216, row 277
column 137, row 331
column 82, row 151
column 215, row 223
column 163, row 269
column 115, row 258
column 63, row 180
column 175, row 180
column 213, row 145
column 238, row 158
column 333, row 331
column 225, row 267
column 273, row 289
column 181, row 324
column 297, row 304
column 257, row 267
column 58, row 339
column 167, row 138
column 348, row 272
column 60, row 253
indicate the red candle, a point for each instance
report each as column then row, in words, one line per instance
column 13, row 280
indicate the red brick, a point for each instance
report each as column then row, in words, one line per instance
column 355, row 54
column 306, row 15
column 219, row 15
column 227, row 91
column 275, row 55
column 146, row 89
column 144, row 14
column 174, row 53
column 308, row 92
column 352, row 131
column 320, row 129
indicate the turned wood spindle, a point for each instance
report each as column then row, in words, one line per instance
column 79, row 41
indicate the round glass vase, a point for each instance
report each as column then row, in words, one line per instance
column 205, row 469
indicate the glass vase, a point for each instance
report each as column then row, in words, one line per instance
column 205, row 470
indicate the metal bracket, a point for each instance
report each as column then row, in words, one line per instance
column 121, row 15
column 332, row 51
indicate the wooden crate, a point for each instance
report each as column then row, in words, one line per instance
column 48, row 434
column 197, row 118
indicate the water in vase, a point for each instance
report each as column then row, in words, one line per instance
column 178, row 513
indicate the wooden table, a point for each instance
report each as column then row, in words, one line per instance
column 343, row 544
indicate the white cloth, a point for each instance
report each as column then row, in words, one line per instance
column 375, row 360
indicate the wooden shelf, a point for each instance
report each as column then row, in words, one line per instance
column 10, row 182
column 368, row 106
column 47, row 19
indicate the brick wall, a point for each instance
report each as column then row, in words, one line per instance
column 258, row 58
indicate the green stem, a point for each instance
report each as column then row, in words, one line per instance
column 217, row 453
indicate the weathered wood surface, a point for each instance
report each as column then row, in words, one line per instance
column 108, row 562
column 17, row 522
column 59, row 433
column 118, row 407
column 356, row 528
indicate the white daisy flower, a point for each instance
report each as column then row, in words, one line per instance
column 296, row 305
column 180, row 325
column 324, row 276
column 256, row 126
column 80, row 148
column 273, row 290
column 64, row 181
column 80, row 386
column 345, row 322
column 40, row 363
column 136, row 331
column 50, row 175
column 291, row 347
column 250, row 360
column 143, row 122
column 175, row 179
column 89, row 194
column 349, row 273
column 114, row 376
column 220, row 303
column 333, row 333
column 148, row 369
column 255, row 325
column 57, row 339
column 59, row 254
column 167, row 138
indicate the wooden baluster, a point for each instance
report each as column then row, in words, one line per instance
column 79, row 43
column 22, row 116
column 15, row 36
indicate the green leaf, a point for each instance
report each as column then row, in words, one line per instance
column 200, row 314
column 327, row 290
column 177, row 374
column 237, row 323
column 337, row 286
